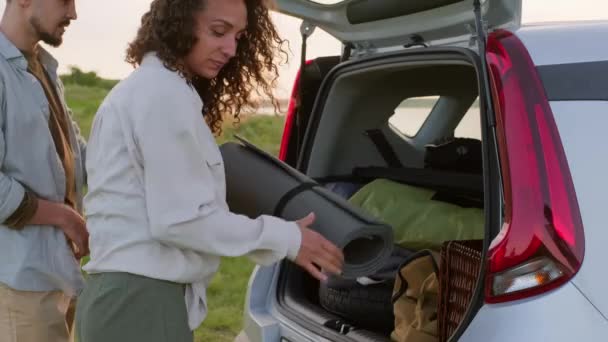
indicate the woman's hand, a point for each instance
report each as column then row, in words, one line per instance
column 316, row 253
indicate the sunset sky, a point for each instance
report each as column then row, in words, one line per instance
column 97, row 40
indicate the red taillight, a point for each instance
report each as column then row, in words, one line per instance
column 290, row 116
column 541, row 244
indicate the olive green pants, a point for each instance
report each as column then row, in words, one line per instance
column 125, row 307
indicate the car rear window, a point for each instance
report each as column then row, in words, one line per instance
column 469, row 126
column 411, row 114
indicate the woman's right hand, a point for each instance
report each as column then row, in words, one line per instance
column 317, row 254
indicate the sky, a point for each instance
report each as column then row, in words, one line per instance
column 96, row 41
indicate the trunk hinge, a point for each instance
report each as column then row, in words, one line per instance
column 306, row 30
column 480, row 36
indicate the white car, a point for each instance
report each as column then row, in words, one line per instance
column 536, row 97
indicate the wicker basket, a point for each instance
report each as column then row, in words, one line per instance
column 460, row 262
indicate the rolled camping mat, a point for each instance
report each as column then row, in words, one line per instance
column 260, row 184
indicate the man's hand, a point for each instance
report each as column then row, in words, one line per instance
column 68, row 220
column 317, row 252
column 74, row 227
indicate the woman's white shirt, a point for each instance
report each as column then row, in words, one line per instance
column 156, row 204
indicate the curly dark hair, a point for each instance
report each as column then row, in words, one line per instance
column 168, row 29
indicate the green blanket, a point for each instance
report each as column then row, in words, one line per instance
column 418, row 221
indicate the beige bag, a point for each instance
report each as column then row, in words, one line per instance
column 415, row 297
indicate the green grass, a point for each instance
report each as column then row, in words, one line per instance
column 264, row 131
column 226, row 294
column 226, row 301
column 84, row 102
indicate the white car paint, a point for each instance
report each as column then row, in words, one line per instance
column 563, row 43
column 262, row 321
column 575, row 311
column 439, row 23
column 582, row 127
column 559, row 316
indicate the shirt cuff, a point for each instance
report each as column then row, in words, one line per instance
column 24, row 212
column 283, row 237
column 294, row 243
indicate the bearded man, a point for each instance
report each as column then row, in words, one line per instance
column 42, row 231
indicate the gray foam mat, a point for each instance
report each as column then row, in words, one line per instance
column 256, row 182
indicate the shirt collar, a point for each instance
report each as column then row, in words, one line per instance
column 150, row 59
column 48, row 61
column 11, row 53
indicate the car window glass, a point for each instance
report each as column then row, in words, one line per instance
column 411, row 114
column 469, row 126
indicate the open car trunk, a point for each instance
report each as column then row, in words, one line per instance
column 360, row 97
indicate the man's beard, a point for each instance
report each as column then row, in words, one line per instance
column 47, row 37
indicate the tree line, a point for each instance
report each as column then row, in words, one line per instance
column 87, row 79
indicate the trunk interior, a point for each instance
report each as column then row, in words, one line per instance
column 410, row 100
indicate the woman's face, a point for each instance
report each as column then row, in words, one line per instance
column 218, row 28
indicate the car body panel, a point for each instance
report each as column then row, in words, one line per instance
column 263, row 322
column 577, row 310
column 451, row 19
column 563, row 43
column 582, row 125
column 559, row 316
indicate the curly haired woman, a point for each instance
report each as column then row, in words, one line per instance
column 156, row 208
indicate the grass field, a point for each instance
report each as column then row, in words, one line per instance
column 226, row 293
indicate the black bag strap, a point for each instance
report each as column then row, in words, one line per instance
column 404, row 285
column 384, row 147
column 289, row 195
